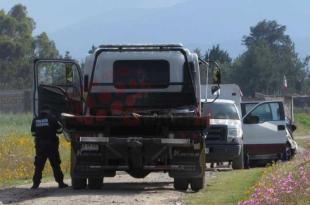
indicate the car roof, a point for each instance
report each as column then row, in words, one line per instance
column 221, row 101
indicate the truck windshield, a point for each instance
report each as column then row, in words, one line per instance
column 221, row 111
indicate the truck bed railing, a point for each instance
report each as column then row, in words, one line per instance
column 141, row 46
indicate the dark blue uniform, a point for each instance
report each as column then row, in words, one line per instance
column 44, row 128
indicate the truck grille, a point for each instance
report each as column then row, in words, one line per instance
column 217, row 133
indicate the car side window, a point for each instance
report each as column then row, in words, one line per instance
column 263, row 112
column 276, row 111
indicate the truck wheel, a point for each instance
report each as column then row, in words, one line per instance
column 78, row 183
column 238, row 163
column 180, row 184
column 197, row 183
column 95, row 182
column 138, row 173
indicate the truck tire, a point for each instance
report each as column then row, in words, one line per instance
column 138, row 173
column 198, row 183
column 95, row 182
column 238, row 163
column 180, row 184
column 78, row 183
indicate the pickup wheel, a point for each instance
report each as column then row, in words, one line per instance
column 78, row 183
column 287, row 155
column 238, row 163
column 246, row 158
column 95, row 182
column 180, row 184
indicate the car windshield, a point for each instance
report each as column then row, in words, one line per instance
column 221, row 111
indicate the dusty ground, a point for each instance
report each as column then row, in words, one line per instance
column 156, row 188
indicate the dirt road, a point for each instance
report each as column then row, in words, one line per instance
column 157, row 188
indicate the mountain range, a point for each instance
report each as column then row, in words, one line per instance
column 77, row 25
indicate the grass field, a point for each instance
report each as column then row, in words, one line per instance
column 227, row 187
column 284, row 183
column 17, row 150
column 303, row 124
column 12, row 124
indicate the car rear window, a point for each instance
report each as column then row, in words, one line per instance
column 141, row 74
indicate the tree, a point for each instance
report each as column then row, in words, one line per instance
column 218, row 55
column 44, row 47
column 92, row 50
column 198, row 52
column 18, row 47
column 221, row 57
column 270, row 33
column 269, row 56
column 67, row 55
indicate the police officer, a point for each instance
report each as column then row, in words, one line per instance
column 44, row 128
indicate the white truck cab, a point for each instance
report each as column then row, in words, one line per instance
column 266, row 133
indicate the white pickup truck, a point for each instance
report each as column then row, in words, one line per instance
column 266, row 136
column 224, row 135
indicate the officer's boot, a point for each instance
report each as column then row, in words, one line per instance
column 62, row 185
column 35, row 185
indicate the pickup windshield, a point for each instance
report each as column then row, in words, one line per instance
column 221, row 111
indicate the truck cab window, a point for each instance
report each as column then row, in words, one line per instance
column 263, row 112
column 61, row 75
column 141, row 74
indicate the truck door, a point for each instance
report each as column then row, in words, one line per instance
column 57, row 84
column 264, row 129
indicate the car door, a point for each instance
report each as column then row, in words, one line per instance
column 57, row 84
column 264, row 129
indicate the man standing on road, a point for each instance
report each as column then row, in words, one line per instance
column 44, row 128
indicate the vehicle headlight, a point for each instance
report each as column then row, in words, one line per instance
column 232, row 132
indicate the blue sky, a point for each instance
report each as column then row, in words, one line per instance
column 56, row 14
column 77, row 24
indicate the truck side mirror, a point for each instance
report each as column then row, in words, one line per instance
column 215, row 90
column 216, row 76
column 86, row 83
column 251, row 120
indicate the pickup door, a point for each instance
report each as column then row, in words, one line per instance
column 57, row 84
column 264, row 131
